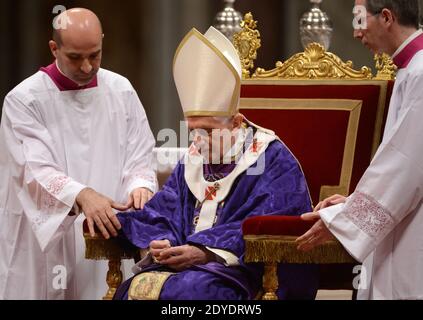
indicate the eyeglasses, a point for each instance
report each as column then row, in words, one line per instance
column 372, row 14
column 360, row 23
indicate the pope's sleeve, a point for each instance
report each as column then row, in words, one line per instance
column 47, row 194
column 392, row 186
column 161, row 217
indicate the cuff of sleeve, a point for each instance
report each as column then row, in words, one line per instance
column 230, row 260
column 70, row 192
column 141, row 183
column 358, row 244
column 329, row 213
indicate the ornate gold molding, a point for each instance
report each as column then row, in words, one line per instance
column 315, row 63
column 247, row 42
column 386, row 69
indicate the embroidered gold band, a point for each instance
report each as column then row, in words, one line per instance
column 148, row 285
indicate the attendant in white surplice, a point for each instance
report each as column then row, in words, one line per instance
column 381, row 223
column 74, row 138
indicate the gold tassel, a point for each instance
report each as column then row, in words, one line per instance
column 98, row 248
column 283, row 249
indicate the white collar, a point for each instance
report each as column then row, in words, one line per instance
column 407, row 42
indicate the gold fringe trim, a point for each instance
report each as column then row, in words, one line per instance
column 271, row 249
column 98, row 248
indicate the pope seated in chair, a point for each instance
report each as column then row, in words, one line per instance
column 191, row 229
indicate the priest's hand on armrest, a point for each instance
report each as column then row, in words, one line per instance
column 138, row 198
column 183, row 257
column 317, row 235
column 98, row 210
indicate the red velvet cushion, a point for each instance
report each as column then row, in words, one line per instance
column 276, row 226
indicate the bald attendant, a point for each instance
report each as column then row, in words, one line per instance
column 75, row 144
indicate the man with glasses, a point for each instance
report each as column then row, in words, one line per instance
column 381, row 222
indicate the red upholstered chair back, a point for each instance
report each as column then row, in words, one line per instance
column 330, row 115
column 333, row 127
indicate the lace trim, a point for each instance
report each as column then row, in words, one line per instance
column 48, row 202
column 147, row 177
column 53, row 188
column 39, row 221
column 368, row 215
column 56, row 185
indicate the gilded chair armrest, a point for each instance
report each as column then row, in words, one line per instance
column 99, row 248
column 271, row 240
column 113, row 250
column 283, row 249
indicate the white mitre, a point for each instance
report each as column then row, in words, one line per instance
column 207, row 72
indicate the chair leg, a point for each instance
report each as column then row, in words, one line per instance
column 114, row 278
column 270, row 281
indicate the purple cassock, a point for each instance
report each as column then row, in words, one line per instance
column 280, row 190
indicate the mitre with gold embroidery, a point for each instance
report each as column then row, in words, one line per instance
column 207, row 72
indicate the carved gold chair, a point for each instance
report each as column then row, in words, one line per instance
column 331, row 116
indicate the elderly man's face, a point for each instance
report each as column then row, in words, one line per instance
column 372, row 36
column 213, row 137
column 79, row 55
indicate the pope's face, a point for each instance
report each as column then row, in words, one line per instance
column 79, row 55
column 213, row 137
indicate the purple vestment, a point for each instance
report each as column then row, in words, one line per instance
column 281, row 190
